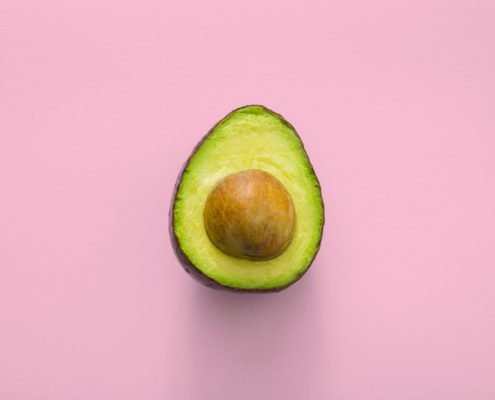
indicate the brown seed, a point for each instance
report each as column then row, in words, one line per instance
column 250, row 214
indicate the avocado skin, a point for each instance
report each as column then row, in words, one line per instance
column 188, row 266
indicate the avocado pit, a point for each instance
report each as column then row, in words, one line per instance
column 250, row 214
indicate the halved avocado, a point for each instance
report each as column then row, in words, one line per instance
column 247, row 212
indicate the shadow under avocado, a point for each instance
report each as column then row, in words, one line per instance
column 241, row 340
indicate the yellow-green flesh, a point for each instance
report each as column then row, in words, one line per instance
column 251, row 137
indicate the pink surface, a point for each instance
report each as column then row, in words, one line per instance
column 102, row 101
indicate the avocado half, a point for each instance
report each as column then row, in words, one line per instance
column 249, row 138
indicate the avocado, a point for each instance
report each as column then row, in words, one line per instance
column 247, row 212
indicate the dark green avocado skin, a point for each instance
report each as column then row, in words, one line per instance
column 188, row 266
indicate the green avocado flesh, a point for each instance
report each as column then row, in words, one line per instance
column 251, row 137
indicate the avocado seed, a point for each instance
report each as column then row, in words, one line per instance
column 250, row 214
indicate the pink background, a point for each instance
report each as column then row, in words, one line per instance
column 102, row 101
